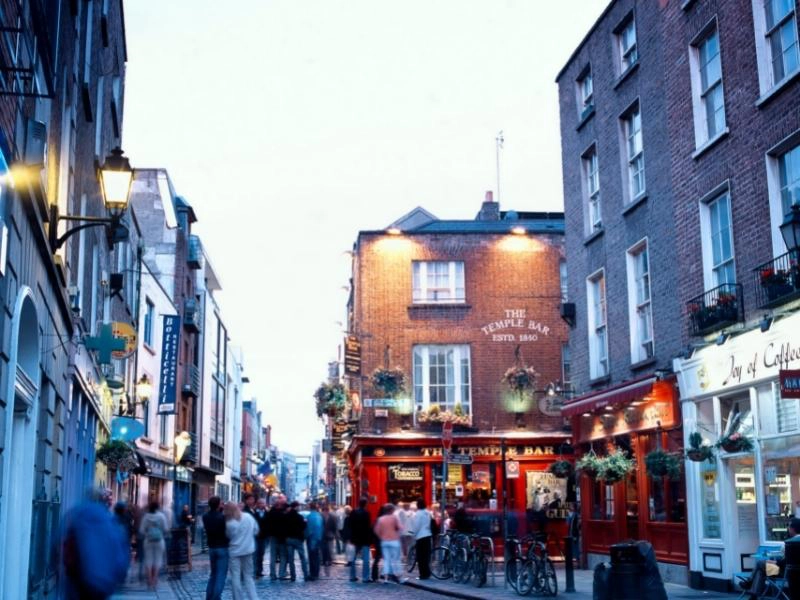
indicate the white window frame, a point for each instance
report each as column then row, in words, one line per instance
column 627, row 57
column 766, row 76
column 584, row 88
column 640, row 301
column 422, row 294
column 597, row 323
column 710, row 278
column 631, row 155
column 590, row 176
column 774, row 189
column 149, row 322
column 701, row 93
column 421, row 381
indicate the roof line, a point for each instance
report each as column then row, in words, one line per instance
column 586, row 37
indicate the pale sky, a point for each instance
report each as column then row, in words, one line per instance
column 290, row 125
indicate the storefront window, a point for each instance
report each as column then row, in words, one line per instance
column 667, row 497
column 405, row 482
column 736, row 415
column 709, row 500
column 602, row 501
column 776, row 414
column 480, row 489
column 781, row 485
column 705, row 421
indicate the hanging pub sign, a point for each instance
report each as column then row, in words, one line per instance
column 405, row 473
column 352, row 355
column 169, row 364
column 790, row 383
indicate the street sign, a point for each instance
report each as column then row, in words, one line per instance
column 459, row 459
column 790, row 383
column 512, row 469
column 125, row 331
column 447, row 435
column 352, row 355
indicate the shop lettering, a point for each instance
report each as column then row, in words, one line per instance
column 404, row 473
column 515, row 318
column 490, row 451
column 781, row 358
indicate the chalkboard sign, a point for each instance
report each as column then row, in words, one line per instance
column 178, row 548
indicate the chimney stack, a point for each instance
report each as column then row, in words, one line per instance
column 490, row 210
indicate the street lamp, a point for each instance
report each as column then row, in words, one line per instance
column 182, row 442
column 116, row 178
column 790, row 228
column 144, row 389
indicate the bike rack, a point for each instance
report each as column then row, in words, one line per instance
column 491, row 546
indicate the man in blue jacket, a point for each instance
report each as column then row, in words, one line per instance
column 314, row 532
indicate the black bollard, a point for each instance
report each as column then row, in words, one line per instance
column 569, row 570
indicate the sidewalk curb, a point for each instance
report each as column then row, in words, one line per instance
column 442, row 592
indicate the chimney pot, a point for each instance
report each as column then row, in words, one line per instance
column 489, row 196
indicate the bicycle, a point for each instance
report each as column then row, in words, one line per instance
column 537, row 573
column 513, row 561
column 411, row 558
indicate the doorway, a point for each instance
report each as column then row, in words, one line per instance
column 744, row 512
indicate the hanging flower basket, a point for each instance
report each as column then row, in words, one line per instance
column 735, row 442
column 331, row 399
column 435, row 416
column 662, row 464
column 697, row 450
column 590, row 464
column 389, row 381
column 520, row 379
column 117, row 455
column 561, row 469
column 615, row 467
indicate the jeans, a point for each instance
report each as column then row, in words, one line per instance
column 391, row 557
column 424, row 557
column 258, row 557
column 219, row 571
column 241, row 577
column 276, row 549
column 327, row 552
column 364, row 551
column 313, row 558
column 294, row 545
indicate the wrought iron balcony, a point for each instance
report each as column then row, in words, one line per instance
column 194, row 258
column 777, row 281
column 192, row 315
column 716, row 308
column 191, row 382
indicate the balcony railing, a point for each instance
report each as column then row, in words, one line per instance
column 716, row 308
column 195, row 255
column 191, row 382
column 777, row 281
column 192, row 315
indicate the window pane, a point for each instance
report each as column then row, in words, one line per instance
column 789, row 167
column 776, row 10
column 710, row 64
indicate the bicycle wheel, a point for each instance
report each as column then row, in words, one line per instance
column 480, row 565
column 526, row 578
column 547, row 578
column 460, row 565
column 441, row 563
column 411, row 559
column 513, row 566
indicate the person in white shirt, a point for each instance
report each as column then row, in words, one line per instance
column 420, row 527
column 404, row 515
column 241, row 529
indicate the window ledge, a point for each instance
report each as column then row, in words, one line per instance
column 165, row 448
column 647, row 362
column 627, row 73
column 777, row 88
column 687, row 4
column 599, row 380
column 149, row 348
column 711, row 143
column 640, row 199
column 588, row 113
column 435, row 305
column 593, row 236
column 145, row 440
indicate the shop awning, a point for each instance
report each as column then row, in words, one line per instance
column 618, row 394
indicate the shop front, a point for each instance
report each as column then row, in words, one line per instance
column 406, row 467
column 635, row 418
column 732, row 396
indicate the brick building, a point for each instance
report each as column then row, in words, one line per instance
column 681, row 127
column 454, row 304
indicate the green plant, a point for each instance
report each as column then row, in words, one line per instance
column 436, row 415
column 331, row 398
column 117, row 455
column 561, row 468
column 458, row 410
column 520, row 379
column 589, row 463
column 661, row 464
column 698, row 450
column 615, row 466
column 434, row 410
column 735, row 442
column 390, row 381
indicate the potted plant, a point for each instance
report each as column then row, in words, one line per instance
column 661, row 464
column 331, row 399
column 589, row 463
column 561, row 469
column 117, row 455
column 735, row 442
column 615, row 466
column 775, row 282
column 698, row 451
column 389, row 381
column 520, row 379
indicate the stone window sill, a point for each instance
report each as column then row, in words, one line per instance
column 593, row 236
column 599, row 380
column 711, row 143
column 628, row 72
column 585, row 118
column 640, row 199
column 774, row 90
column 647, row 362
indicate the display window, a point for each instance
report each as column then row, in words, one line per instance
column 781, row 481
column 405, row 482
column 709, row 500
column 666, row 501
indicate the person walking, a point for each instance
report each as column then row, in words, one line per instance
column 241, row 529
column 259, row 513
column 153, row 530
column 388, row 530
column 277, row 539
column 330, row 530
column 341, row 512
column 217, row 539
column 314, row 537
column 295, row 536
column 361, row 536
column 421, row 529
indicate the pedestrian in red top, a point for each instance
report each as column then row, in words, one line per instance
column 388, row 530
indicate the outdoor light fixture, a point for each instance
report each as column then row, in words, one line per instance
column 144, row 389
column 182, row 442
column 393, row 231
column 766, row 323
column 116, row 177
column 723, row 337
column 518, row 230
column 790, row 228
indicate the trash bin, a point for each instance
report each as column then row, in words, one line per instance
column 634, row 573
column 792, row 556
column 601, row 586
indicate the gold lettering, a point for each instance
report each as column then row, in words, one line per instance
column 528, row 451
column 537, row 451
column 426, row 452
column 548, row 450
column 512, row 451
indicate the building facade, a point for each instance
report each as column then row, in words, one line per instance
column 453, row 305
